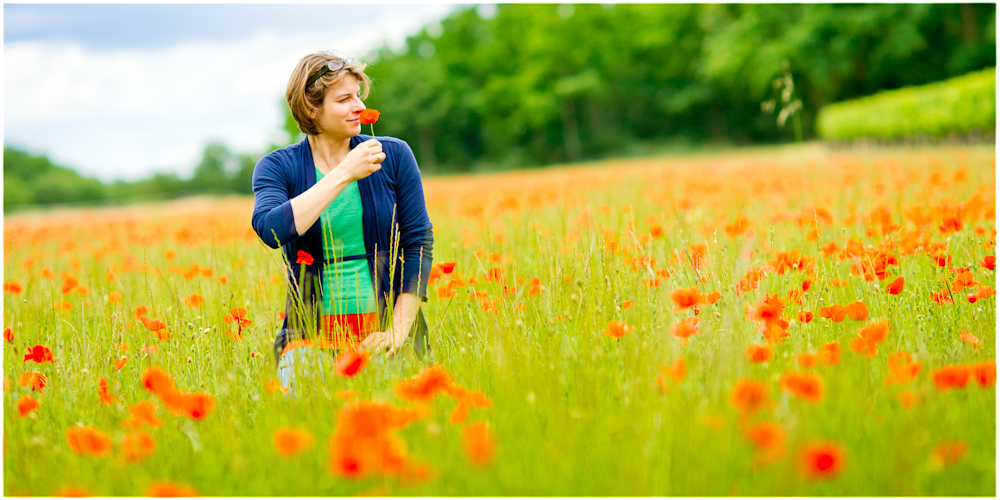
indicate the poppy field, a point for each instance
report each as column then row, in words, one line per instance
column 767, row 322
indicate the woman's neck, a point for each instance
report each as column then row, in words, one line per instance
column 328, row 152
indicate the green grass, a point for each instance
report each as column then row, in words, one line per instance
column 574, row 411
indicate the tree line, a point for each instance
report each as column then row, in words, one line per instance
column 530, row 84
column 521, row 85
column 30, row 179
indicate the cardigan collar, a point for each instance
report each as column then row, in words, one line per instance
column 310, row 166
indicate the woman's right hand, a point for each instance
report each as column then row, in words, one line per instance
column 364, row 160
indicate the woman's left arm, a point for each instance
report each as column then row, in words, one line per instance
column 416, row 242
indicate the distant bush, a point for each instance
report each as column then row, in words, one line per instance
column 958, row 105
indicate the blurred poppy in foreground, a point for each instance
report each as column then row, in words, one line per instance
column 750, row 396
column 170, row 490
column 950, row 377
column 823, row 460
column 806, row 386
column 351, row 362
column 430, row 382
column 26, row 405
column 291, row 442
column 479, row 443
column 88, row 441
column 138, row 446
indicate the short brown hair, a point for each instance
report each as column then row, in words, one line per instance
column 303, row 101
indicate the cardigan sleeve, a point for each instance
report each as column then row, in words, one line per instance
column 272, row 209
column 416, row 237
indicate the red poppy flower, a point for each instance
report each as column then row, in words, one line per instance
column 171, row 490
column 195, row 405
column 965, row 336
column 351, row 362
column 273, row 385
column 896, row 286
column 806, row 360
column 963, row 280
column 875, row 332
column 88, row 441
column 989, row 262
column 823, row 460
column 759, row 353
column 951, row 376
column 835, row 313
column 145, row 412
column 369, row 116
column 863, row 346
column 12, row 287
column 105, row 397
column 946, row 453
column 36, row 381
column 446, row 267
column 808, row 386
column 195, row 300
column 157, row 381
column 985, row 374
column 153, row 325
column 942, row 297
column 466, row 401
column 26, row 405
column 39, row 354
column 749, row 396
column 8, row 334
column 902, row 368
column 238, row 315
column 675, row 372
column 805, row 316
column 303, row 257
column 685, row 328
column 138, row 446
column 617, row 329
column 684, row 298
column 291, row 442
column 425, row 385
column 479, row 443
column 857, row 311
column 829, row 354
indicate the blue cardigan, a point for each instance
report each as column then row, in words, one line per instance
column 392, row 197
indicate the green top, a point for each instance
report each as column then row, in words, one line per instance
column 347, row 286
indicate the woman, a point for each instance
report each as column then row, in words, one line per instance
column 348, row 211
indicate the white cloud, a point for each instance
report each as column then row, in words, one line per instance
column 125, row 114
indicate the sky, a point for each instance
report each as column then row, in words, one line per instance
column 123, row 91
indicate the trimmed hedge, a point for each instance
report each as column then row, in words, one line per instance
column 959, row 105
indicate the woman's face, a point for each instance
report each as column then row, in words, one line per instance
column 340, row 115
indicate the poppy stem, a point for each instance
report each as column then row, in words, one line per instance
column 373, row 130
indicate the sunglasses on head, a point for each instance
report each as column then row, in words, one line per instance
column 333, row 65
